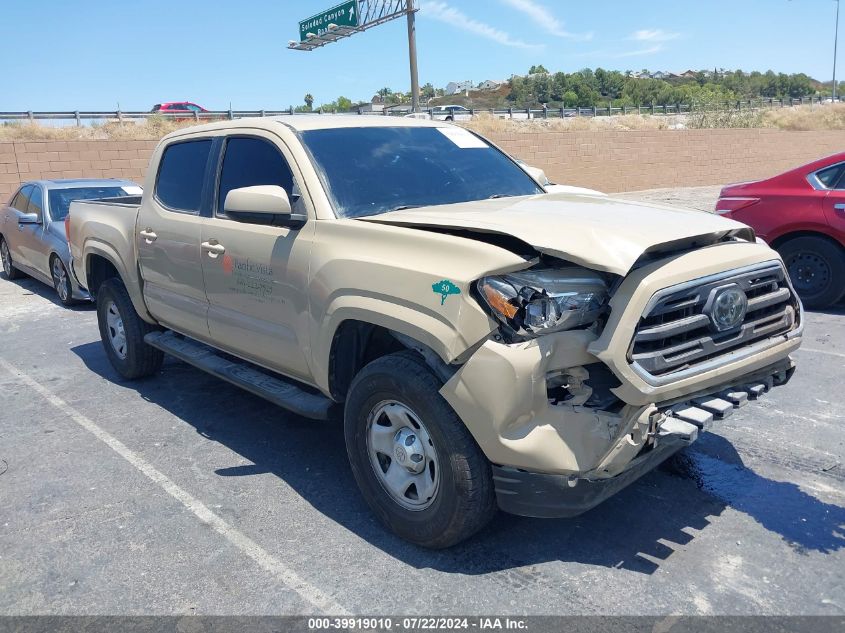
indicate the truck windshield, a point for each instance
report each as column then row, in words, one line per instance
column 372, row 170
column 60, row 199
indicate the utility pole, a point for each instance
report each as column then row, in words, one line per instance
column 412, row 54
column 835, row 46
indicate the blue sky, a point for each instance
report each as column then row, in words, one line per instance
column 94, row 54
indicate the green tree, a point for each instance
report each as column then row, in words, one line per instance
column 344, row 104
column 309, row 101
column 570, row 99
column 534, row 70
column 428, row 91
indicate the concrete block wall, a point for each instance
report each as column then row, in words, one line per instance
column 615, row 161
column 610, row 161
column 33, row 160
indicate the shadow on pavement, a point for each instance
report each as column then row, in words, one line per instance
column 33, row 286
column 629, row 531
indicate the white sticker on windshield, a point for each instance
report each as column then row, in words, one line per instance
column 463, row 138
column 134, row 190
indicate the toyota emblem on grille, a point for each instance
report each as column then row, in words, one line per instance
column 727, row 309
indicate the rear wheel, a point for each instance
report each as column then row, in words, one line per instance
column 8, row 268
column 417, row 465
column 816, row 268
column 61, row 281
column 123, row 331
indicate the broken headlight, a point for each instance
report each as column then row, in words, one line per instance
column 537, row 301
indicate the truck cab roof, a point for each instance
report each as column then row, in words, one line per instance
column 304, row 122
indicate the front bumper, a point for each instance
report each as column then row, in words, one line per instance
column 559, row 496
column 502, row 392
column 545, row 495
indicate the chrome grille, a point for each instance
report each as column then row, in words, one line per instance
column 677, row 335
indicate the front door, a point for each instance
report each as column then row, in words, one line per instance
column 19, row 236
column 255, row 275
column 35, row 250
column 168, row 235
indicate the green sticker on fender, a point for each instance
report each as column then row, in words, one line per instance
column 444, row 288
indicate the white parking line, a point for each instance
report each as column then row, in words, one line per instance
column 265, row 560
column 820, row 351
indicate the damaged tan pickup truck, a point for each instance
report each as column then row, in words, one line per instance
column 490, row 344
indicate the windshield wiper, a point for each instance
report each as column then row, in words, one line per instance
column 499, row 195
column 402, row 207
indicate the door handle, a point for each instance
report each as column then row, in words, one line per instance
column 840, row 206
column 148, row 235
column 213, row 248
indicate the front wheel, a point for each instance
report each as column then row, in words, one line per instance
column 816, row 268
column 123, row 331
column 416, row 464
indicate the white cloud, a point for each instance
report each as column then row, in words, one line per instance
column 540, row 15
column 606, row 54
column 651, row 50
column 444, row 13
column 653, row 35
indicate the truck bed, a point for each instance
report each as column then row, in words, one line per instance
column 104, row 227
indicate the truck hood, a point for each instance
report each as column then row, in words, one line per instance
column 602, row 233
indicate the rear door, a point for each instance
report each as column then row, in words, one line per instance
column 168, row 236
column 834, row 208
column 255, row 275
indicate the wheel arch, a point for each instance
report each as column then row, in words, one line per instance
column 101, row 263
column 355, row 343
column 782, row 239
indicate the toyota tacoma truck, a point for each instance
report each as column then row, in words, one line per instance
column 490, row 345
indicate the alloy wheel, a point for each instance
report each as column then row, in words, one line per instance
column 60, row 280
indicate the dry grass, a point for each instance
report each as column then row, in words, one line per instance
column 152, row 128
column 817, row 117
column 824, row 117
column 488, row 124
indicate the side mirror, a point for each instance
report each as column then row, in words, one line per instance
column 262, row 204
column 28, row 218
column 536, row 173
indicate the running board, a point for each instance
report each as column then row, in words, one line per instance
column 279, row 391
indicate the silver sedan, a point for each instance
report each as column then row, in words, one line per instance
column 32, row 231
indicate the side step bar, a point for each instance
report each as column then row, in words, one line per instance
column 279, row 391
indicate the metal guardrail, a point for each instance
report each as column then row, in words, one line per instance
column 80, row 116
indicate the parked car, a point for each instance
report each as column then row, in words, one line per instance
column 177, row 107
column 451, row 113
column 540, row 176
column 32, row 229
column 801, row 213
column 490, row 344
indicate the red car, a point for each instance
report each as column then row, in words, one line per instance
column 178, row 107
column 801, row 214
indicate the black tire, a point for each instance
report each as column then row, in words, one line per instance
column 817, row 269
column 465, row 500
column 8, row 268
column 61, row 282
column 138, row 359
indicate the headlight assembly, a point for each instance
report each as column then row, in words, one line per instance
column 537, row 301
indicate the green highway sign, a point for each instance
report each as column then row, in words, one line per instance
column 345, row 14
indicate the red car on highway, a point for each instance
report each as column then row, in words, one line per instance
column 178, row 107
column 801, row 214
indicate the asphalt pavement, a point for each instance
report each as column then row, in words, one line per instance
column 181, row 494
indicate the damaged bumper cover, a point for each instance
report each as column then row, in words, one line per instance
column 545, row 495
column 567, row 420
